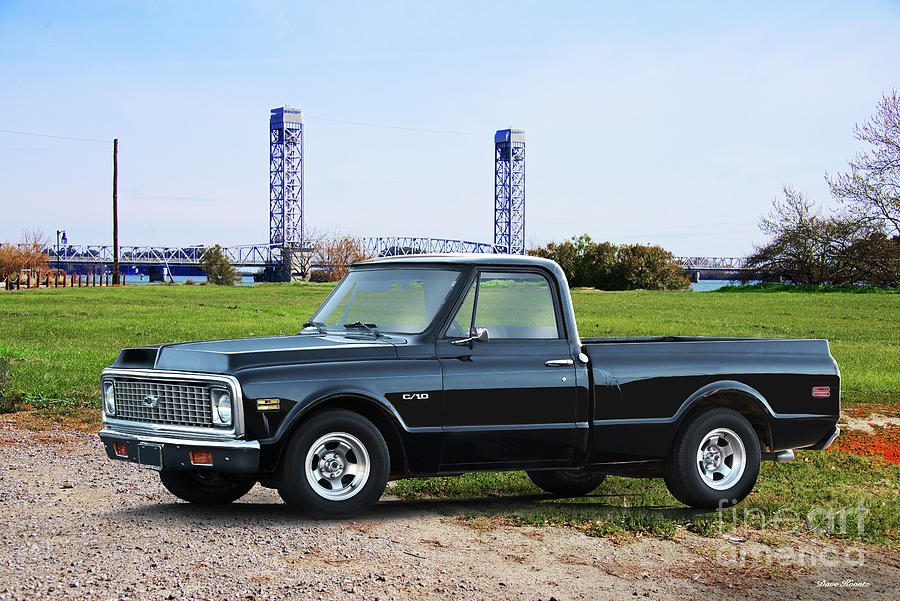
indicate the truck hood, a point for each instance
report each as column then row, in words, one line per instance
column 227, row 356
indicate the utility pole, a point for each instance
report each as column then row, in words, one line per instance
column 115, row 212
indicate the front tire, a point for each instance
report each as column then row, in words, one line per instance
column 205, row 487
column 335, row 465
column 566, row 483
column 714, row 462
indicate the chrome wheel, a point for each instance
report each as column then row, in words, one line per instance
column 721, row 459
column 337, row 466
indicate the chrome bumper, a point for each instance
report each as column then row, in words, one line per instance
column 835, row 434
column 826, row 441
column 229, row 456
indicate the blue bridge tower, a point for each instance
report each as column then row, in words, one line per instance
column 286, row 192
column 509, row 191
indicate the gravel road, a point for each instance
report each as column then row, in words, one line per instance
column 76, row 525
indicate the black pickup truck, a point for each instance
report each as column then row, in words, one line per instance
column 430, row 365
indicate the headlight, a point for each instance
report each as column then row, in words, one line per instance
column 109, row 398
column 221, row 400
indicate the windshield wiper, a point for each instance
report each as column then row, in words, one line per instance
column 318, row 325
column 369, row 327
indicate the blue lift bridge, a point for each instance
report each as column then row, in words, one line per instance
column 286, row 194
column 509, row 191
column 285, row 257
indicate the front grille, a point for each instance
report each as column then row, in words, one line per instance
column 178, row 404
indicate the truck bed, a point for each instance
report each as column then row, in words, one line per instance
column 672, row 339
column 643, row 386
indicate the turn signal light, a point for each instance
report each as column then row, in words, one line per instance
column 201, row 458
column 821, row 392
column 268, row 404
column 121, row 449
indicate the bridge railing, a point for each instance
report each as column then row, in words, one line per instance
column 253, row 254
column 387, row 246
column 263, row 255
column 713, row 263
column 243, row 255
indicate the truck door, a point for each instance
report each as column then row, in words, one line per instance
column 510, row 400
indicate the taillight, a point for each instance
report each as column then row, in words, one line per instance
column 821, row 392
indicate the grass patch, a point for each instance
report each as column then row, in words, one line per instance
column 605, row 524
column 85, row 419
column 826, row 493
column 862, row 328
column 774, row 287
column 466, row 485
column 7, row 403
column 54, row 343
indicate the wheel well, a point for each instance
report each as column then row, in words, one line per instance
column 744, row 404
column 372, row 412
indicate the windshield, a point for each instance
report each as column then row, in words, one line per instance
column 390, row 299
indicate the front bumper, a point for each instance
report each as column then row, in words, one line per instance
column 232, row 456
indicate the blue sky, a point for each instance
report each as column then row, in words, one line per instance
column 645, row 122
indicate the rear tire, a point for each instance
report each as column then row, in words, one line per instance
column 335, row 465
column 566, row 483
column 714, row 462
column 205, row 487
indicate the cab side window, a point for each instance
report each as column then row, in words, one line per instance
column 515, row 305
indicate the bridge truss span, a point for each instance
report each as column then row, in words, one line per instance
column 713, row 263
column 268, row 255
column 389, row 246
column 247, row 255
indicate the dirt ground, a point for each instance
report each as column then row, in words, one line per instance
column 76, row 525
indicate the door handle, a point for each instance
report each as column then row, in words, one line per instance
column 558, row 363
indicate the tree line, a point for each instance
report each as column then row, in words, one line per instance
column 856, row 243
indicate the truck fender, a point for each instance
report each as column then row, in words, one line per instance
column 302, row 409
column 732, row 388
column 391, row 421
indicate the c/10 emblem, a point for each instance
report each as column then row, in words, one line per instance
column 415, row 396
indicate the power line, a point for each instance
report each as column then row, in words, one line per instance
column 342, row 121
column 383, row 126
column 29, row 133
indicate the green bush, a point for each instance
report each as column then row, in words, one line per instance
column 606, row 266
column 218, row 268
column 647, row 268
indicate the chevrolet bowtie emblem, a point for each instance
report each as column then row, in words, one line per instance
column 151, row 401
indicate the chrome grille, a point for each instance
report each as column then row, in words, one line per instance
column 181, row 404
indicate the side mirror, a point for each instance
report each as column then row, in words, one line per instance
column 477, row 335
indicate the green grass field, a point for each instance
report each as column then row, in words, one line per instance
column 53, row 344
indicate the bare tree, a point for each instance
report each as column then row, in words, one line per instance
column 334, row 254
column 809, row 248
column 33, row 246
column 29, row 253
column 10, row 260
column 872, row 186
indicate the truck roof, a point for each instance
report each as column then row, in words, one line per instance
column 465, row 259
